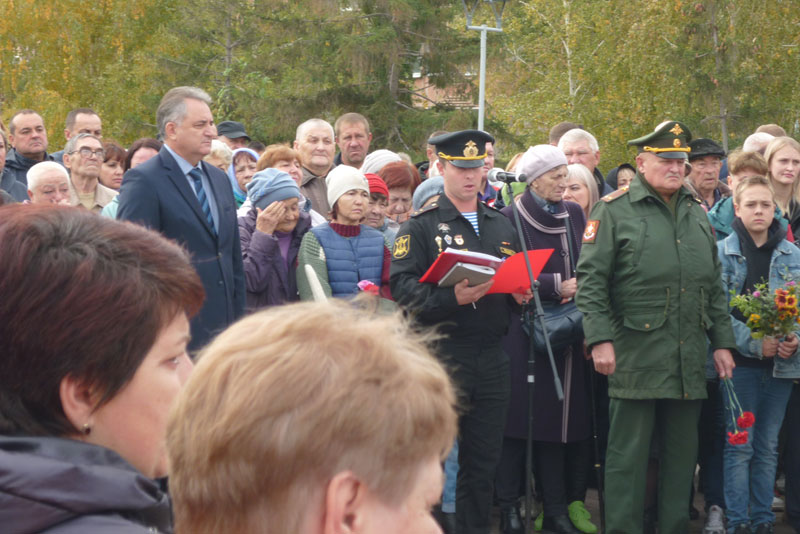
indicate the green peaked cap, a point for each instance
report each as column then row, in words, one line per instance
column 670, row 141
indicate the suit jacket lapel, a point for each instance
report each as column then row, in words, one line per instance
column 182, row 184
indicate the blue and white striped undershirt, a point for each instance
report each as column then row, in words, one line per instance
column 472, row 217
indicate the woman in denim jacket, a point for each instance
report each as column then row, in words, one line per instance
column 757, row 250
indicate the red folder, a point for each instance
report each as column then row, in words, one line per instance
column 511, row 276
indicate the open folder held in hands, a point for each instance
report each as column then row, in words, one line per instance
column 509, row 275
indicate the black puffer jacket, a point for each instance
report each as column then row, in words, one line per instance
column 62, row 486
column 18, row 165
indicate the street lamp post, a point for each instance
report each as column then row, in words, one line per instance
column 497, row 7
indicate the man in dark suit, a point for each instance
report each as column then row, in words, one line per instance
column 192, row 202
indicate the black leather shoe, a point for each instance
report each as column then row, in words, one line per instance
column 765, row 528
column 510, row 522
column 559, row 524
column 446, row 521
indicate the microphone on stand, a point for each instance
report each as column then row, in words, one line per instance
column 499, row 175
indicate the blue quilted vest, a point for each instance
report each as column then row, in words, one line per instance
column 351, row 259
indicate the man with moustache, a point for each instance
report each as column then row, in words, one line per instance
column 650, row 290
column 83, row 156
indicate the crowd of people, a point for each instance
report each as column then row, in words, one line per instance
column 334, row 390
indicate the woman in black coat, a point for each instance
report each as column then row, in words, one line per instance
column 561, row 430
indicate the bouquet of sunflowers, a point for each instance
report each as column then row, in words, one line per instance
column 769, row 314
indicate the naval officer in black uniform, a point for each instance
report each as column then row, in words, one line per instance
column 472, row 321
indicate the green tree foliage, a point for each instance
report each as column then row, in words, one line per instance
column 619, row 68
column 721, row 66
column 273, row 64
column 56, row 56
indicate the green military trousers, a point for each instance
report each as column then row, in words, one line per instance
column 632, row 425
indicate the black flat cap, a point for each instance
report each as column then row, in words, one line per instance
column 705, row 147
column 232, row 130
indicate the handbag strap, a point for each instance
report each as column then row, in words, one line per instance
column 567, row 226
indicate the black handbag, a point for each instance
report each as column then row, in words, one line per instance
column 564, row 322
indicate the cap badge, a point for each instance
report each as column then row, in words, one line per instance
column 471, row 149
column 676, row 143
column 677, row 130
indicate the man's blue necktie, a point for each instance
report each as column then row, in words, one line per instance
column 197, row 178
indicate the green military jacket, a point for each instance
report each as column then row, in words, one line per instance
column 649, row 281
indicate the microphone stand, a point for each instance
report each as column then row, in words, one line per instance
column 538, row 314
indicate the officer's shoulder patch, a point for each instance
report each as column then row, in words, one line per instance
column 430, row 207
column 614, row 195
column 590, row 233
column 402, row 246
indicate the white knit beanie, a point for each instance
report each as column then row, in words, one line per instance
column 342, row 179
column 377, row 160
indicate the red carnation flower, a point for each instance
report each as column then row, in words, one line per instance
column 746, row 420
column 369, row 287
column 737, row 438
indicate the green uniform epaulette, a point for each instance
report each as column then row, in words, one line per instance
column 615, row 194
column 426, row 209
column 697, row 199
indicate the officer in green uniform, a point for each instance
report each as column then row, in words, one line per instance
column 649, row 287
column 471, row 321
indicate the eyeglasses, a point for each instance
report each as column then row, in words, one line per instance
column 86, row 153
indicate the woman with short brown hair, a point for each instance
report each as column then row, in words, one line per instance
column 312, row 418
column 93, row 333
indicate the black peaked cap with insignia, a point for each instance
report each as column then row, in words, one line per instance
column 465, row 149
column 670, row 141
